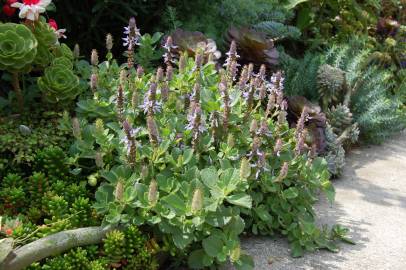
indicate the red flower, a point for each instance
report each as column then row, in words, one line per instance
column 8, row 10
column 31, row 2
column 9, row 231
column 53, row 24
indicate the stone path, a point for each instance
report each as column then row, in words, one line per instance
column 370, row 201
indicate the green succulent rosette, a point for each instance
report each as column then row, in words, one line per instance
column 62, row 50
column 44, row 33
column 18, row 47
column 44, row 56
column 63, row 61
column 59, row 84
column 47, row 39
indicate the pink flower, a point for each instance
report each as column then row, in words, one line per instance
column 30, row 9
column 53, row 24
column 60, row 33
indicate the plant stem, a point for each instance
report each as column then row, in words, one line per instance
column 52, row 245
column 17, row 89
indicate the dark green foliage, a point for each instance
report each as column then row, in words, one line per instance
column 324, row 21
column 377, row 112
column 121, row 250
column 21, row 138
column 114, row 245
column 53, row 160
column 301, row 74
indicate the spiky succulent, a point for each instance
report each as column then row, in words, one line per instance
column 339, row 117
column 331, row 84
column 335, row 155
column 18, row 47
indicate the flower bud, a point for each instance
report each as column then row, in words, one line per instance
column 262, row 72
column 245, row 169
column 230, row 140
column 197, row 201
column 94, row 58
column 283, row 172
column 153, row 192
column 123, row 77
column 169, row 73
column 198, row 59
column 282, row 117
column 109, row 42
column 76, row 128
column 93, row 82
column 243, row 77
column 140, row 71
column 134, row 100
column 278, row 147
column 99, row 125
column 235, row 254
column 253, row 127
column 120, row 103
column 119, row 190
column 76, row 51
column 165, row 92
column 99, row 160
column 182, row 63
column 144, row 171
column 152, row 130
column 159, row 75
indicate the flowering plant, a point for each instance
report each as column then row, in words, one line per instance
column 30, row 9
column 34, row 45
column 199, row 156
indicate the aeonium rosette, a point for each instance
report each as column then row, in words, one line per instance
column 30, row 9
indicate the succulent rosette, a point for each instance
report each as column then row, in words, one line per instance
column 63, row 61
column 47, row 39
column 62, row 50
column 18, row 47
column 59, row 84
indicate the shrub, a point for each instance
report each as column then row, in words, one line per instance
column 207, row 159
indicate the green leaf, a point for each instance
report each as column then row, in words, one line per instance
column 245, row 262
column 176, row 203
column 187, row 156
column 181, row 240
column 104, row 195
column 297, row 250
column 262, row 213
column 213, row 245
column 209, row 177
column 198, row 259
column 293, row 3
column 240, row 199
column 329, row 190
column 236, row 226
column 291, row 193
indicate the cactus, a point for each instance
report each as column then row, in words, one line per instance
column 339, row 118
column 331, row 84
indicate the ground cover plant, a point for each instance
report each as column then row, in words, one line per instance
column 159, row 151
